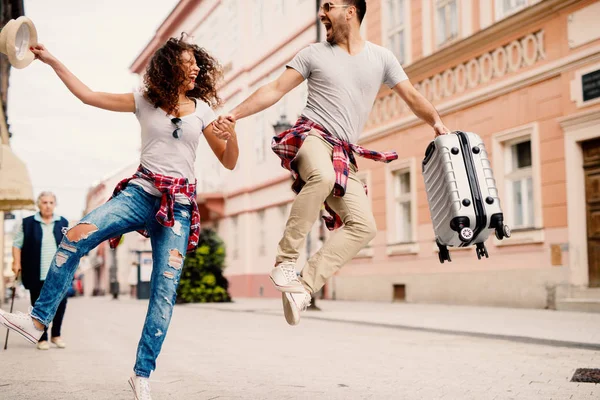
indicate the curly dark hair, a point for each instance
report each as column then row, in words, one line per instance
column 164, row 76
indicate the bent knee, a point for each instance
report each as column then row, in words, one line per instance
column 365, row 228
column 370, row 230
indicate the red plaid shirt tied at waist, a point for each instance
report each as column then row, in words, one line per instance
column 169, row 187
column 287, row 144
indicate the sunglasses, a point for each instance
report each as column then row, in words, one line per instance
column 328, row 6
column 178, row 131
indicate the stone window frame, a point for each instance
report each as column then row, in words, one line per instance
column 501, row 143
column 393, row 247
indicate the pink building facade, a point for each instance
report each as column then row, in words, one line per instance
column 523, row 74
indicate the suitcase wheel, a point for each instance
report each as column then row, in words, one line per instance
column 444, row 254
column 502, row 232
column 481, row 251
column 499, row 233
column 465, row 234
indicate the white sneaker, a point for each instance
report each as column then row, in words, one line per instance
column 43, row 345
column 285, row 279
column 293, row 304
column 140, row 387
column 58, row 342
column 22, row 324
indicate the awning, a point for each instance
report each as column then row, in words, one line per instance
column 16, row 192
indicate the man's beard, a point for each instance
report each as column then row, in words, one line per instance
column 337, row 34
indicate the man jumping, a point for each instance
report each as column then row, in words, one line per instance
column 344, row 76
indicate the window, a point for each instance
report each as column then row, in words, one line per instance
column 516, row 165
column 229, row 39
column 403, row 206
column 279, row 6
column 235, row 242
column 259, row 17
column 262, row 232
column 504, row 8
column 260, row 138
column 446, row 12
column 396, row 29
column 519, row 184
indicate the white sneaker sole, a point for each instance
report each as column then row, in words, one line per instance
column 295, row 288
column 18, row 330
column 290, row 311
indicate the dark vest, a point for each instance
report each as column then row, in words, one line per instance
column 31, row 252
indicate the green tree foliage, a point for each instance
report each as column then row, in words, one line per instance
column 202, row 279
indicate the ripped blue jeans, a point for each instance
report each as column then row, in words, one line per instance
column 130, row 210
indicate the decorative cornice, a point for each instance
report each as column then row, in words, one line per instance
column 525, row 19
column 582, row 119
column 530, row 77
column 490, row 66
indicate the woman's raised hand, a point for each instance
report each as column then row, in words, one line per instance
column 42, row 54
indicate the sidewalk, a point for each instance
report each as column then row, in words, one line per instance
column 554, row 328
column 348, row 351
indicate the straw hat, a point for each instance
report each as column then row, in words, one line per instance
column 17, row 36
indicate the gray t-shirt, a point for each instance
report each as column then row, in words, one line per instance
column 161, row 152
column 342, row 88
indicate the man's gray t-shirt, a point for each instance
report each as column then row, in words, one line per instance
column 342, row 88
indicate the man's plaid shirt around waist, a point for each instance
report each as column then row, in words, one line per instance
column 169, row 187
column 287, row 144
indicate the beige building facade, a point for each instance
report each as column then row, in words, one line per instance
column 523, row 74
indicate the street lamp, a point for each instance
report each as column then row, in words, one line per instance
column 282, row 125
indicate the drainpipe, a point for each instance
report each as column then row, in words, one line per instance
column 317, row 22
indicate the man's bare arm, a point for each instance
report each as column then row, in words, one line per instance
column 421, row 106
column 268, row 94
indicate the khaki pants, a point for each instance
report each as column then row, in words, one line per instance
column 315, row 166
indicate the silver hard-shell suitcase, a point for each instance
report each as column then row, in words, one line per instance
column 462, row 194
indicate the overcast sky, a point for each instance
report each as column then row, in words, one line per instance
column 66, row 145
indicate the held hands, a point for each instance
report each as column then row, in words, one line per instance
column 440, row 129
column 42, row 54
column 224, row 127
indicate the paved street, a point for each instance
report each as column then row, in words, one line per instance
column 245, row 350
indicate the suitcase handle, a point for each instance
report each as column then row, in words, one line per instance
column 429, row 153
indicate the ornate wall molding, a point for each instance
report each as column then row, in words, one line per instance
column 481, row 70
column 480, row 95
